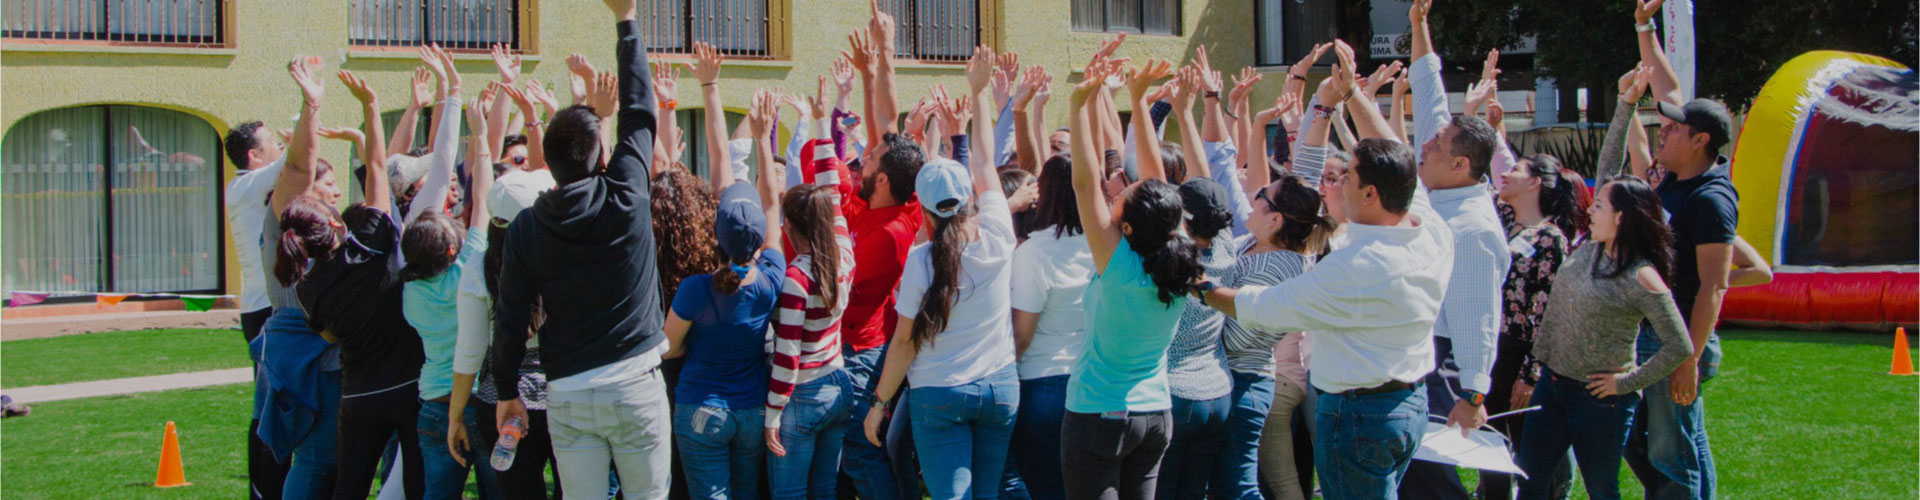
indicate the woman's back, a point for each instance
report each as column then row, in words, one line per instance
column 978, row 338
column 355, row 296
column 726, row 360
column 1050, row 276
column 1124, row 366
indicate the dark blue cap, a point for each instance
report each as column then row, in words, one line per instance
column 739, row 223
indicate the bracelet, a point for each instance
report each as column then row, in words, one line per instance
column 1644, row 28
column 1323, row 110
column 1211, row 94
column 1296, row 77
column 709, row 84
column 536, row 123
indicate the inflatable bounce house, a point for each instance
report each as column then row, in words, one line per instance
column 1828, row 168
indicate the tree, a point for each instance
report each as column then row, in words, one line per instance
column 1742, row 43
column 1581, row 43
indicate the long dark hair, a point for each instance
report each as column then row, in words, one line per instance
column 306, row 234
column 490, row 263
column 683, row 207
column 1057, row 205
column 1559, row 198
column 1642, row 234
column 809, row 211
column 1582, row 198
column 1305, row 229
column 1154, row 213
column 948, row 238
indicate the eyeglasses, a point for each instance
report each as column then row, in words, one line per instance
column 1334, row 177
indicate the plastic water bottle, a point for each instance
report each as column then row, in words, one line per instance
column 509, row 443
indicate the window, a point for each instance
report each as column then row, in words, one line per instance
column 112, row 199
column 454, row 24
column 1287, row 29
column 934, row 30
column 735, row 27
column 144, row 22
column 693, row 128
column 1160, row 17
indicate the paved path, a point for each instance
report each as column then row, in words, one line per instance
column 44, row 393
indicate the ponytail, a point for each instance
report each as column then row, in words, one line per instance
column 1170, row 258
column 809, row 209
column 1305, row 229
column 727, row 279
column 949, row 238
column 1559, row 201
column 306, row 235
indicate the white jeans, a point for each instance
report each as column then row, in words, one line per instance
column 629, row 424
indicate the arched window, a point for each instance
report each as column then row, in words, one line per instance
column 112, row 199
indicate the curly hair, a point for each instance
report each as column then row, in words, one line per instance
column 683, row 208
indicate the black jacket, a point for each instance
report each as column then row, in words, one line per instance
column 586, row 250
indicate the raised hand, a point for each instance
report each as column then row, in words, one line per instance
column 843, row 75
column 1496, row 115
column 1418, row 14
column 578, row 85
column 1003, row 84
column 1370, row 86
column 1343, row 72
column 1477, row 95
column 860, row 52
column 1045, row 91
column 880, row 28
column 979, row 69
column 452, row 75
column 1490, row 69
column 1243, row 86
column 605, row 96
column 1633, row 85
column 431, row 58
column 1645, row 10
column 353, row 135
column 1400, row 85
column 507, row 62
column 1210, row 81
column 760, row 115
column 358, row 87
column 1154, row 71
column 818, row 103
column 666, row 83
column 622, row 9
column 1299, row 70
column 523, row 99
column 1184, row 87
column 302, row 68
column 706, row 67
column 1029, row 85
column 1009, row 63
column 917, row 120
column 477, row 110
column 422, row 89
column 1098, row 70
column 578, row 65
column 1109, row 47
column 1286, row 104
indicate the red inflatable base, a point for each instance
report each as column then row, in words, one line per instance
column 1871, row 301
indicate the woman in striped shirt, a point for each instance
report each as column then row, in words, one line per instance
column 806, row 403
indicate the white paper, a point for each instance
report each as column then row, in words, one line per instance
column 1484, row 449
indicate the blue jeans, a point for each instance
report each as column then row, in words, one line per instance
column 1596, row 428
column 1043, row 406
column 1429, row 480
column 720, row 449
column 1236, row 470
column 1362, row 444
column 1667, row 448
column 1199, row 428
column 445, row 478
column 966, row 429
column 867, row 465
column 813, row 429
column 312, row 474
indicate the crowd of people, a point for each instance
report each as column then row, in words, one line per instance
column 974, row 303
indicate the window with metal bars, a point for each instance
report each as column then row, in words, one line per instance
column 142, row 22
column 734, row 27
column 1287, row 29
column 454, row 24
column 934, row 30
column 1159, row 17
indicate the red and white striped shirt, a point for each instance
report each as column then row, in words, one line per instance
column 806, row 344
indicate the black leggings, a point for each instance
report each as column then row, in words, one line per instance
column 1113, row 458
column 527, row 477
column 366, row 424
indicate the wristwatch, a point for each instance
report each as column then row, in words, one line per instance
column 1644, row 28
column 1200, row 289
column 1473, row 397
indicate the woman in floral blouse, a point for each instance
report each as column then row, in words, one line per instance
column 1535, row 203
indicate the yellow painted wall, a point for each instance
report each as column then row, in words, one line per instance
column 249, row 81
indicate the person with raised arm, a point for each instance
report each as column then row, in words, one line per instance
column 882, row 218
column 586, row 253
column 1668, row 448
column 438, row 253
column 806, row 396
column 1456, row 161
column 509, row 194
column 1118, row 420
column 1371, row 304
column 258, row 155
column 958, row 348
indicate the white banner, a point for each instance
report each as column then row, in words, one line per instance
column 1678, row 40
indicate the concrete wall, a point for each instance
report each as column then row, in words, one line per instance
column 248, row 81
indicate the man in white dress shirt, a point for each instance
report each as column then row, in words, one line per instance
column 258, row 154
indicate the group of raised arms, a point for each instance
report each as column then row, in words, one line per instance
column 975, row 302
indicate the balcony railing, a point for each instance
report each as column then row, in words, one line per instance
column 138, row 22
column 737, row 28
column 454, row 24
column 934, row 30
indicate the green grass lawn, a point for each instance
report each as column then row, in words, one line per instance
column 1792, row 415
column 110, row 355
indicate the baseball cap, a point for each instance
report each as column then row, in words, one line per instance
column 1205, row 199
column 739, row 224
column 1705, row 116
column 944, row 187
column 516, row 191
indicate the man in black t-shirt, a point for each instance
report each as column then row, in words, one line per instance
column 1668, row 448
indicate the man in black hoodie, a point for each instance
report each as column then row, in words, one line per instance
column 586, row 252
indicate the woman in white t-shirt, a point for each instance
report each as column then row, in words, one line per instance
column 958, row 346
column 1050, row 274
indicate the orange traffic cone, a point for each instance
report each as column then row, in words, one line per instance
column 171, row 474
column 1902, row 360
